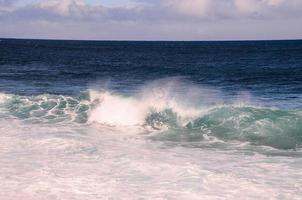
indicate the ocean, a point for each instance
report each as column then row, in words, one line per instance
column 87, row 120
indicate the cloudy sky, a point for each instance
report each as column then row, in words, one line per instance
column 151, row 19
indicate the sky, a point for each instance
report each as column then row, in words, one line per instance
column 151, row 19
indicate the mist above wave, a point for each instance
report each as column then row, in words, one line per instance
column 182, row 112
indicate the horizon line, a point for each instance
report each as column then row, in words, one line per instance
column 151, row 40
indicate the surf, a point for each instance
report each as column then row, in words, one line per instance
column 169, row 111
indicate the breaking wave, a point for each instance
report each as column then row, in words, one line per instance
column 259, row 126
column 45, row 108
column 168, row 114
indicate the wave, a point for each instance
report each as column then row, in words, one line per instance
column 45, row 108
column 169, row 114
column 258, row 126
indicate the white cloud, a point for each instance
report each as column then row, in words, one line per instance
column 186, row 19
column 247, row 7
column 165, row 9
column 64, row 7
column 275, row 2
column 194, row 8
column 236, row 8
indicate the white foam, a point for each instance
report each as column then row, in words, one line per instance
column 115, row 109
column 4, row 97
column 84, row 162
column 118, row 110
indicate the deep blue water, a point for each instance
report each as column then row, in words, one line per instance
column 271, row 71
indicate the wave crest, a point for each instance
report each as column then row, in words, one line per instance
column 186, row 115
column 259, row 126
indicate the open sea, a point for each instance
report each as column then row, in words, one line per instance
column 90, row 120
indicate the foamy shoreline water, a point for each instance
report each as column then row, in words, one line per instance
column 64, row 162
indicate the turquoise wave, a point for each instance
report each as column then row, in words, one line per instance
column 280, row 129
column 260, row 126
column 46, row 108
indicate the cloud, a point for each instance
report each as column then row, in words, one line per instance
column 167, row 10
column 269, row 8
column 217, row 9
column 6, row 5
column 194, row 8
column 162, row 19
column 7, row 2
column 70, row 10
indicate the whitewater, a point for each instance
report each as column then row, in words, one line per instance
column 167, row 140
